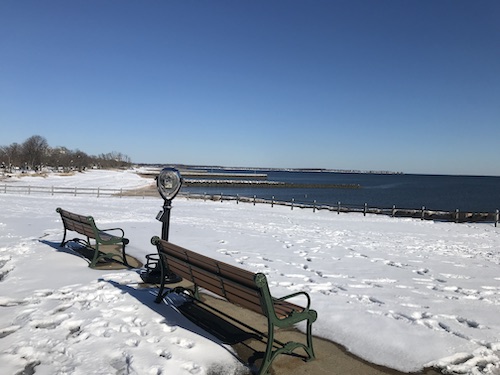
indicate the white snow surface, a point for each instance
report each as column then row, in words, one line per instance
column 403, row 293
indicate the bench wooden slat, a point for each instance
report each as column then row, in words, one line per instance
column 214, row 284
column 248, row 300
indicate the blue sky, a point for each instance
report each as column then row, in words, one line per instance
column 410, row 86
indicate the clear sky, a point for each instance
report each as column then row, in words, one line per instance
column 400, row 85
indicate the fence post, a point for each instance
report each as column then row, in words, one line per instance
column 456, row 215
column 254, row 200
column 314, row 206
column 97, row 192
column 423, row 213
column 497, row 217
column 237, row 199
column 221, row 197
column 364, row 210
column 393, row 210
column 272, row 201
column 293, row 200
column 338, row 208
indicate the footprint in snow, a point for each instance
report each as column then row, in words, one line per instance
column 422, row 271
column 183, row 343
column 9, row 302
column 164, row 354
column 4, row 332
column 4, row 271
column 123, row 364
column 49, row 323
column 228, row 252
column 193, row 368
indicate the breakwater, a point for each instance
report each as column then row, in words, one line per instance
column 266, row 183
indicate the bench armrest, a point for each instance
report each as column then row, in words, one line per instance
column 111, row 229
column 295, row 295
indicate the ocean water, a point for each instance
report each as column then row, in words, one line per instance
column 410, row 191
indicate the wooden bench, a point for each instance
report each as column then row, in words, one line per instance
column 85, row 225
column 241, row 287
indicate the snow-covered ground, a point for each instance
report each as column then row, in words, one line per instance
column 403, row 293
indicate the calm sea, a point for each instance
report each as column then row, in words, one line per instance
column 435, row 192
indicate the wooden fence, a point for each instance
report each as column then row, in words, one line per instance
column 420, row 213
column 53, row 190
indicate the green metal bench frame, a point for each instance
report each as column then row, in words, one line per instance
column 241, row 287
column 86, row 226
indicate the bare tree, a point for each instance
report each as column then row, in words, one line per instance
column 35, row 151
column 10, row 156
column 80, row 160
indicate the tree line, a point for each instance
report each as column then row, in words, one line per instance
column 36, row 154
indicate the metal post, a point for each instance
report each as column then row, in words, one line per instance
column 497, row 217
column 423, row 213
column 393, row 210
column 293, row 200
column 314, row 207
column 167, row 206
column 456, row 215
column 338, row 208
column 272, row 201
column 364, row 209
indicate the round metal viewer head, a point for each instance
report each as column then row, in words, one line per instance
column 169, row 182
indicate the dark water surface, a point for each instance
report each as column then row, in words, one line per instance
column 435, row 192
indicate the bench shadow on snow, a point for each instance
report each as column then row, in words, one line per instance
column 181, row 312
column 75, row 248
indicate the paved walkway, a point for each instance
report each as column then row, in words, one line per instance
column 331, row 359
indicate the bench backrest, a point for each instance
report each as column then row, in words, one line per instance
column 79, row 223
column 234, row 284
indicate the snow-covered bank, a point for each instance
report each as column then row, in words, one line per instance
column 399, row 292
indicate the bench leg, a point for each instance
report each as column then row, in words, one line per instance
column 269, row 356
column 310, row 349
column 124, row 256
column 63, row 242
column 96, row 255
column 289, row 347
column 160, row 295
